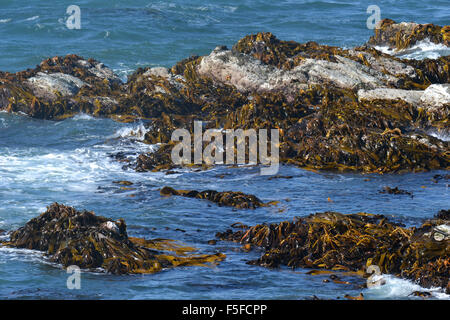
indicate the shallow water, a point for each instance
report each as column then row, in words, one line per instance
column 68, row 162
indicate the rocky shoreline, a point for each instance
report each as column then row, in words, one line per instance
column 336, row 109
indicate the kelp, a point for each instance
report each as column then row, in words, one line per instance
column 235, row 199
column 352, row 242
column 405, row 35
column 81, row 238
column 322, row 126
column 395, row 190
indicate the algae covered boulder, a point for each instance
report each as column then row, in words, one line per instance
column 225, row 198
column 355, row 109
column 81, row 238
column 352, row 242
column 405, row 34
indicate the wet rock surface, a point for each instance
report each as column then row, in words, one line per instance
column 352, row 242
column 337, row 109
column 81, row 238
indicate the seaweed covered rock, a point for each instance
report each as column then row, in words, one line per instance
column 60, row 87
column 352, row 242
column 226, row 198
column 352, row 109
column 405, row 34
column 81, row 238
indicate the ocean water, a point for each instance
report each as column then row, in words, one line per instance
column 69, row 161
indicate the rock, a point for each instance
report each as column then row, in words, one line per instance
column 227, row 198
column 436, row 95
column 101, row 71
column 443, row 215
column 395, row 190
column 360, row 297
column 48, row 86
column 123, row 182
column 382, row 63
column 411, row 96
column 248, row 74
column 337, row 109
column 405, row 34
column 351, row 242
column 81, row 238
column 422, row 294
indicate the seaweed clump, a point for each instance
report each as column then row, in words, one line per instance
column 395, row 190
column 352, row 242
column 226, row 198
column 81, row 238
column 404, row 35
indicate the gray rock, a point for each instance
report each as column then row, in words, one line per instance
column 436, row 95
column 410, row 96
column 100, row 70
column 382, row 63
column 248, row 74
column 48, row 86
column 176, row 80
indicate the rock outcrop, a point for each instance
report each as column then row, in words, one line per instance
column 403, row 35
column 337, row 109
column 81, row 238
column 353, row 242
column 225, row 198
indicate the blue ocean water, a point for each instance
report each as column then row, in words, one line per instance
column 68, row 161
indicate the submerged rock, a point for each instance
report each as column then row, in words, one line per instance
column 352, row 242
column 226, row 198
column 81, row 238
column 395, row 190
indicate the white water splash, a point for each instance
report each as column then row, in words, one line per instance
column 396, row 288
column 421, row 50
column 136, row 132
column 444, row 136
column 32, row 18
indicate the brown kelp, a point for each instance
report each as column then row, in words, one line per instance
column 352, row 242
column 225, row 198
column 81, row 238
column 406, row 34
column 336, row 109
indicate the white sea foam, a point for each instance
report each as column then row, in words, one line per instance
column 421, row 50
column 444, row 136
column 83, row 116
column 12, row 254
column 32, row 18
column 136, row 132
column 5, row 20
column 396, row 288
column 78, row 170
